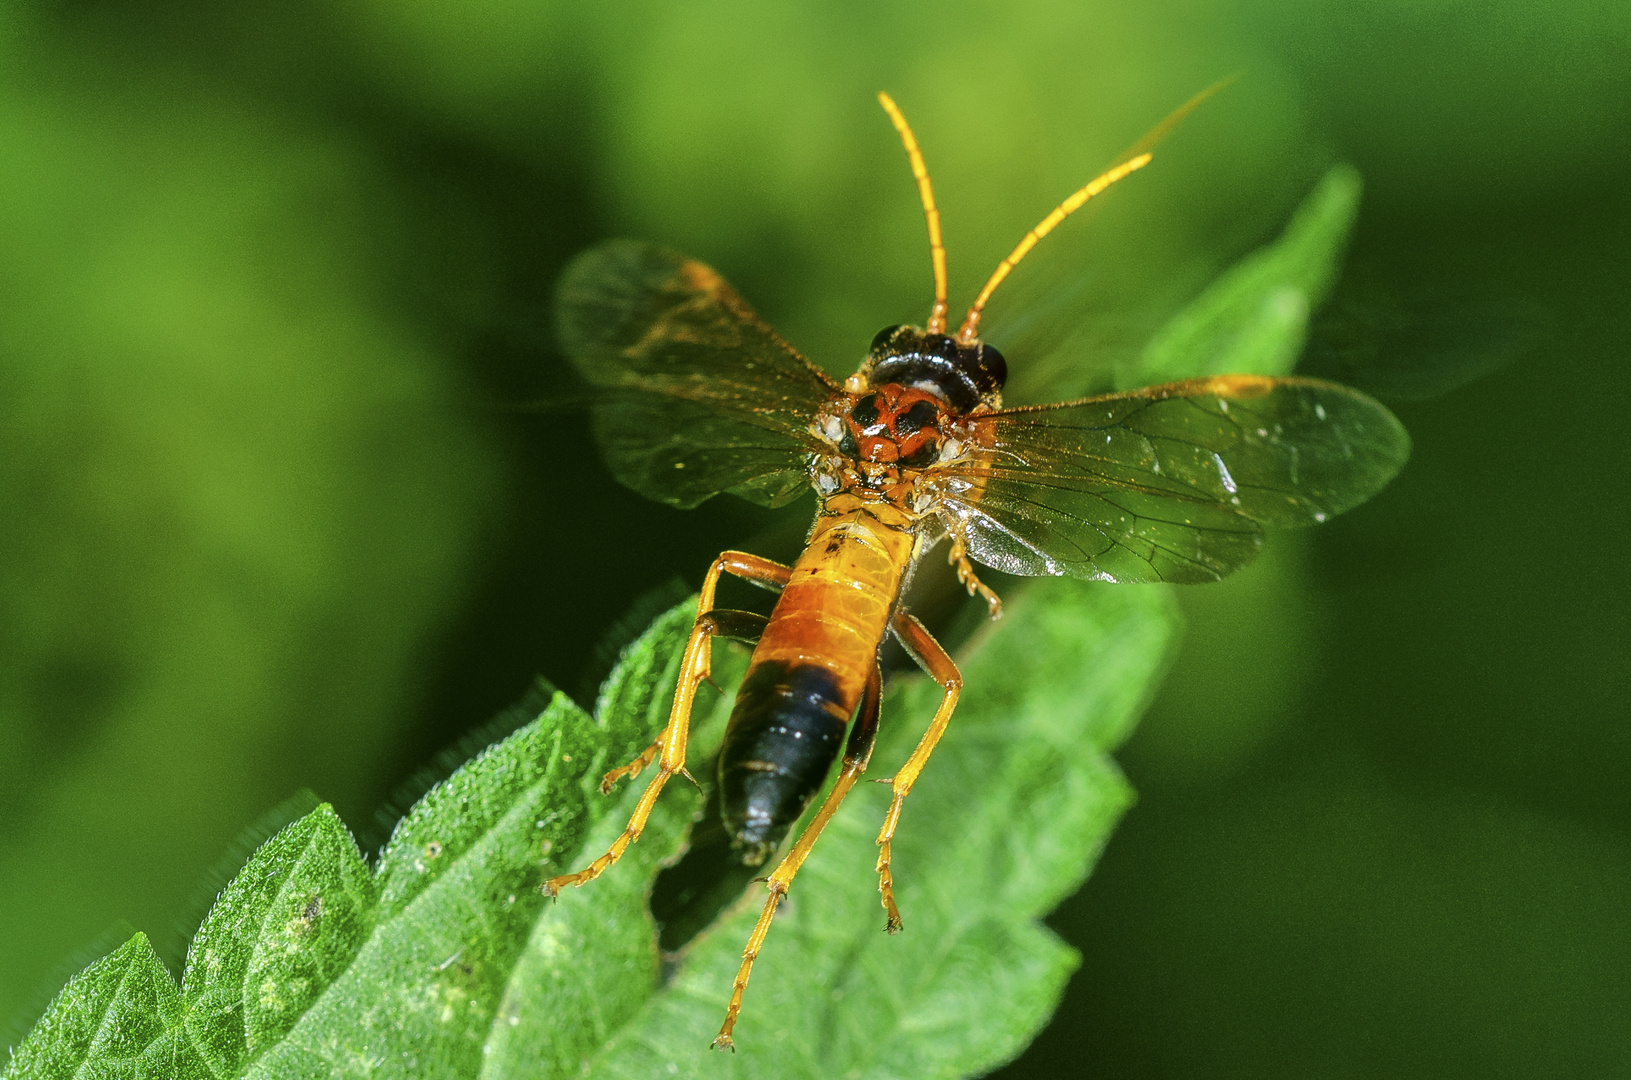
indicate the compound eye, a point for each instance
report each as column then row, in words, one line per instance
column 992, row 370
column 881, row 340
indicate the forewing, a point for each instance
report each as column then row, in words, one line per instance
column 695, row 394
column 1168, row 483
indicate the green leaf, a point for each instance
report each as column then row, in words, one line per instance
column 118, row 1017
column 1006, row 821
column 445, row 961
column 586, row 970
column 290, row 922
column 1253, row 319
column 310, row 964
column 459, row 885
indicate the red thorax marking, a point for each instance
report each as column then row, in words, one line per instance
column 894, row 423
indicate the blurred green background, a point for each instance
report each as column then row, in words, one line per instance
column 269, row 274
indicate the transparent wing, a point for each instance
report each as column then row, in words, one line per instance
column 1169, row 483
column 696, row 394
column 1403, row 347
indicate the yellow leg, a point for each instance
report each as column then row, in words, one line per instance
column 633, row 768
column 958, row 557
column 856, row 756
column 669, row 749
column 933, row 659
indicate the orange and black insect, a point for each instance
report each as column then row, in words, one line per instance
column 698, row 396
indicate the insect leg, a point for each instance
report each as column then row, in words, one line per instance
column 958, row 557
column 856, row 754
column 669, row 749
column 719, row 622
column 934, row 660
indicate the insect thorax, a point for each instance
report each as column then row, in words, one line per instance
column 904, row 414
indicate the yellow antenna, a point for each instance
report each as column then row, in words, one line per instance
column 971, row 322
column 1164, row 128
column 1130, row 162
column 937, row 249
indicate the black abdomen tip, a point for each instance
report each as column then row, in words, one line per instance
column 784, row 734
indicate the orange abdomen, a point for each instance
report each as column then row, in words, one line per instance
column 808, row 671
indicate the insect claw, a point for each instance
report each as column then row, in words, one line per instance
column 724, row 1042
column 893, row 925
